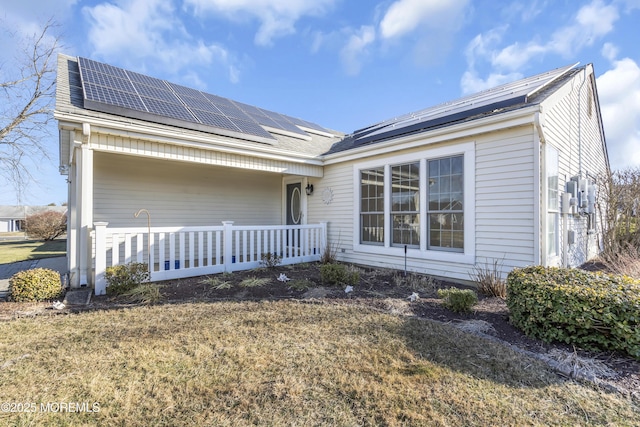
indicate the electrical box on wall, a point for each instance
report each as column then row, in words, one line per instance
column 571, row 237
column 591, row 199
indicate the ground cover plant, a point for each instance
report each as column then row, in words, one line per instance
column 282, row 362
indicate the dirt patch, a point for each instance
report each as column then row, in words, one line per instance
column 385, row 290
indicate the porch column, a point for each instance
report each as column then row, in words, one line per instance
column 72, row 226
column 84, row 202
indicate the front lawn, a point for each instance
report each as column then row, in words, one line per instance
column 281, row 363
column 23, row 250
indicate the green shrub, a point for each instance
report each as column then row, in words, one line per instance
column 122, row 278
column 339, row 274
column 591, row 310
column 38, row 284
column 458, row 300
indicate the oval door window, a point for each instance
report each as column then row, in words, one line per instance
column 296, row 210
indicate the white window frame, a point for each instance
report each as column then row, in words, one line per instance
column 552, row 259
column 466, row 149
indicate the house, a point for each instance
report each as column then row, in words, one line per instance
column 192, row 183
column 12, row 217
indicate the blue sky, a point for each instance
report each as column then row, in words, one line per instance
column 346, row 64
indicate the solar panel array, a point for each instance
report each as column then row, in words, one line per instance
column 488, row 100
column 115, row 90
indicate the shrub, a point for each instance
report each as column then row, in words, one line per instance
column 489, row 280
column 329, row 254
column 591, row 310
column 124, row 277
column 338, row 274
column 458, row 300
column 270, row 260
column 38, row 284
column 45, row 225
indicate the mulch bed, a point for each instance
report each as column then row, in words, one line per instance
column 380, row 289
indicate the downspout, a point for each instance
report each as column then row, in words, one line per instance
column 538, row 122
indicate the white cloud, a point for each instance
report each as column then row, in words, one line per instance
column 610, row 51
column 356, row 49
column 472, row 83
column 148, row 29
column 592, row 22
column 619, row 93
column 277, row 17
column 405, row 16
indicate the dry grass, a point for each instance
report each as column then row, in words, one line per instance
column 282, row 363
column 23, row 250
column 488, row 278
column 254, row 282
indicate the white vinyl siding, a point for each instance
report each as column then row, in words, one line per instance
column 578, row 137
column 182, row 194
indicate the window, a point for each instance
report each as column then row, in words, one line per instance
column 372, row 206
column 553, row 243
column 446, row 202
column 421, row 207
column 405, row 204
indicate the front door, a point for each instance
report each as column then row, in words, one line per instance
column 294, row 204
column 294, row 213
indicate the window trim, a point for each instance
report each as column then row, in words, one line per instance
column 466, row 149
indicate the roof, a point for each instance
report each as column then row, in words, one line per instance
column 76, row 95
column 508, row 97
column 18, row 212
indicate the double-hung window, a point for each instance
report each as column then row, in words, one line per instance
column 372, row 206
column 553, row 244
column 405, row 204
column 418, row 203
column 446, row 203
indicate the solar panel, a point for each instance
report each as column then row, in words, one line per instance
column 88, row 64
column 106, row 80
column 304, row 123
column 114, row 90
column 155, row 92
column 147, row 80
column 482, row 102
column 199, row 103
column 109, row 96
column 167, row 109
column 213, row 119
column 251, row 127
column 185, row 91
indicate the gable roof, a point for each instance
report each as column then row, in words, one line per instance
column 508, row 97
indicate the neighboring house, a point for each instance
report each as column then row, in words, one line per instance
column 506, row 174
column 12, row 217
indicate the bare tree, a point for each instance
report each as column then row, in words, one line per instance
column 619, row 214
column 26, row 104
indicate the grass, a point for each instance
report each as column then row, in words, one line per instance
column 282, row 363
column 23, row 250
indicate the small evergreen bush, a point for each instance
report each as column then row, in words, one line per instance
column 339, row 274
column 124, row 277
column 592, row 310
column 38, row 284
column 458, row 300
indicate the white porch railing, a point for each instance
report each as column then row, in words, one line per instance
column 177, row 252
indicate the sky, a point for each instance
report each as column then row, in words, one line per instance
column 343, row 64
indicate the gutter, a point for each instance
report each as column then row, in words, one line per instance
column 71, row 121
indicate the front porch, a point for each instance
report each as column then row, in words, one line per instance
column 179, row 252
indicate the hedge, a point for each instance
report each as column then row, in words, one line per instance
column 594, row 311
